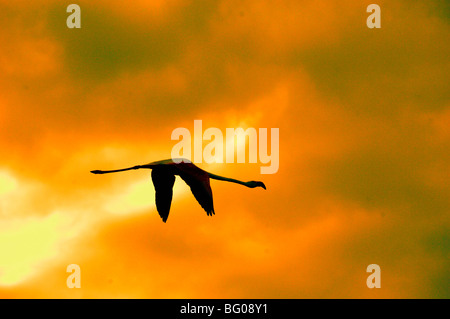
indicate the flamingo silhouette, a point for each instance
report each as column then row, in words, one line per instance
column 163, row 177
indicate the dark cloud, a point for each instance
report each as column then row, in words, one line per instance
column 108, row 44
column 381, row 71
column 384, row 181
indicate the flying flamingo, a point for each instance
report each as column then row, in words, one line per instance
column 163, row 177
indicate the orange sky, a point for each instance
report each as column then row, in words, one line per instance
column 364, row 121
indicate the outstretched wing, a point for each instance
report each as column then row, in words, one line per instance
column 198, row 181
column 163, row 181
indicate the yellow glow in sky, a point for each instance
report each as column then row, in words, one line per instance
column 7, row 183
column 26, row 245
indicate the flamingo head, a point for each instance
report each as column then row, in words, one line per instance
column 253, row 184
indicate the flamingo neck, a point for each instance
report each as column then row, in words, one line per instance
column 116, row 170
column 227, row 179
